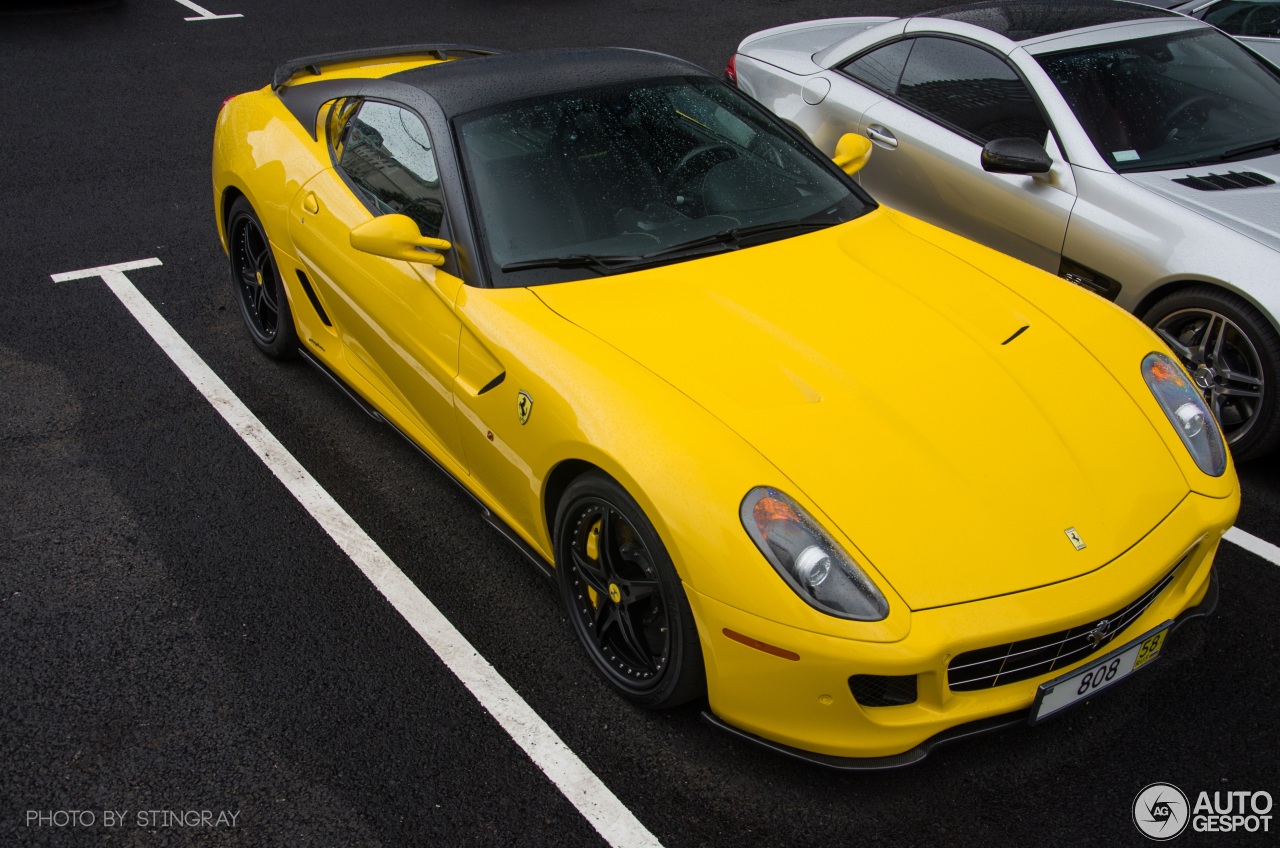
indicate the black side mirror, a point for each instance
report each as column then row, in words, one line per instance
column 1015, row 156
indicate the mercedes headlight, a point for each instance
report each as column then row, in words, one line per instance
column 1187, row 412
column 809, row 560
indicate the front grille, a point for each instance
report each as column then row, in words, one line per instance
column 875, row 690
column 987, row 668
column 1224, row 182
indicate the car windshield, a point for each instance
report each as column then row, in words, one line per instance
column 1171, row 101
column 618, row 177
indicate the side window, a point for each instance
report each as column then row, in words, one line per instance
column 335, row 124
column 882, row 67
column 1245, row 17
column 386, row 152
column 970, row 90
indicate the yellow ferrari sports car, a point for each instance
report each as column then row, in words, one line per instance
column 862, row 484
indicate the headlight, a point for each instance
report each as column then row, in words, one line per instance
column 1187, row 411
column 814, row 566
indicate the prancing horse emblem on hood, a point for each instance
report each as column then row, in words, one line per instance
column 1075, row 538
column 524, row 405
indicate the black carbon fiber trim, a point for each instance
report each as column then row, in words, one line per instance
column 1225, row 182
column 906, row 758
column 286, row 71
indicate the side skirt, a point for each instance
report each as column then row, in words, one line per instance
column 497, row 523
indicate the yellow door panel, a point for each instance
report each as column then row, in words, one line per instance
column 395, row 318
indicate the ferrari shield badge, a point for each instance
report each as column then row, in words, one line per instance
column 524, row 405
column 1071, row 534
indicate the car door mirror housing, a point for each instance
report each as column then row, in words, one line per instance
column 852, row 152
column 398, row 237
column 1015, row 156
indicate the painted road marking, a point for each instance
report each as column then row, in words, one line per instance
column 579, row 784
column 205, row 14
column 1254, row 545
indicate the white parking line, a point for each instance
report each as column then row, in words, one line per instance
column 579, row 784
column 205, row 14
column 1254, row 545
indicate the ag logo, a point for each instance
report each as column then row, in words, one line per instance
column 524, row 406
column 1160, row 811
column 1075, row 538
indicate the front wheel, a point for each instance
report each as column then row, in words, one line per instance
column 1233, row 354
column 624, row 598
column 259, row 289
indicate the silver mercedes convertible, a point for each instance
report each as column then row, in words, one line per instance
column 1129, row 149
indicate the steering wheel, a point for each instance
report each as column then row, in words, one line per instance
column 1173, row 119
column 695, row 163
column 1261, row 22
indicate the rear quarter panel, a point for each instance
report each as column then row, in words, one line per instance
column 261, row 151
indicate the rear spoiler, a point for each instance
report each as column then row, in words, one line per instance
column 312, row 64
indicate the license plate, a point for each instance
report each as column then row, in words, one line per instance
column 1086, row 681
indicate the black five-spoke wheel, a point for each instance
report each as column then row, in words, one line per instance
column 263, row 303
column 623, row 596
column 1233, row 355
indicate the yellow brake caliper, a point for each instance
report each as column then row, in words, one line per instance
column 593, row 553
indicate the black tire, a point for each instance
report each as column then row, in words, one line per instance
column 1233, row 353
column 625, row 601
column 264, row 305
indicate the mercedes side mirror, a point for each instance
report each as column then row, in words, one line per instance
column 1015, row 156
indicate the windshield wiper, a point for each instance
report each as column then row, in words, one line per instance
column 601, row 264
column 735, row 236
column 780, row 227
column 1257, row 147
column 1270, row 144
column 608, row 263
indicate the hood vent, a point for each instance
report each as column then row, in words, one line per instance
column 1222, row 182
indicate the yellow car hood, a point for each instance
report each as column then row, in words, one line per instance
column 896, row 388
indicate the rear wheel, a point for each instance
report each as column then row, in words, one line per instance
column 259, row 289
column 624, row 598
column 1233, row 355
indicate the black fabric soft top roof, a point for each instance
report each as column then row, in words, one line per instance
column 1019, row 20
column 476, row 83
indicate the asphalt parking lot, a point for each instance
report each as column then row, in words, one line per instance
column 180, row 635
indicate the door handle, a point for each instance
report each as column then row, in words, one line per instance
column 310, row 203
column 881, row 136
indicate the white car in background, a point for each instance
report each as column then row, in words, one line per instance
column 1129, row 149
column 1255, row 23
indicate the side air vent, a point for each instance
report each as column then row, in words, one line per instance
column 1085, row 277
column 311, row 296
column 1222, row 182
